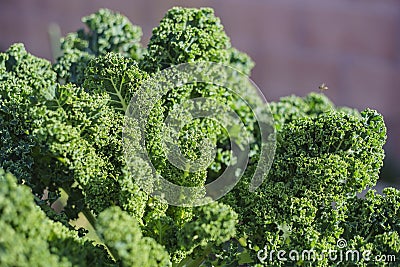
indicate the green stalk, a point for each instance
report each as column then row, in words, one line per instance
column 189, row 262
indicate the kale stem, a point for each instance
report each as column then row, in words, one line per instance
column 200, row 259
column 89, row 216
column 190, row 262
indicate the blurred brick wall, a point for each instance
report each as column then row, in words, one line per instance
column 351, row 45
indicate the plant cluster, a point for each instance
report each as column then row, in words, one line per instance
column 61, row 135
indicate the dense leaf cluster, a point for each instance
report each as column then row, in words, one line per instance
column 61, row 132
column 108, row 31
column 29, row 238
column 324, row 156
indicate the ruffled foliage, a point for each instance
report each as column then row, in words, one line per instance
column 62, row 132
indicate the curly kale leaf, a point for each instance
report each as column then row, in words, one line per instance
column 121, row 233
column 116, row 75
column 186, row 35
column 58, row 142
column 373, row 223
column 108, row 31
column 324, row 157
column 29, row 238
column 77, row 130
column 26, row 82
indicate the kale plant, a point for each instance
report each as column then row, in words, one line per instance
column 61, row 139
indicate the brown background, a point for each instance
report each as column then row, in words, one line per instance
column 351, row 45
